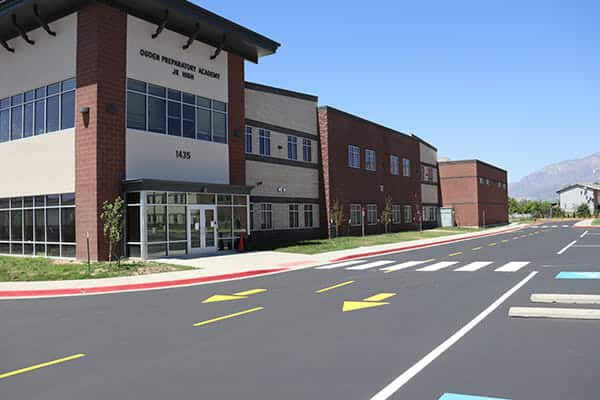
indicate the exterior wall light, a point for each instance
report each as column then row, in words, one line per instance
column 85, row 114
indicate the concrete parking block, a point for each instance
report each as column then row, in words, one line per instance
column 559, row 313
column 565, row 298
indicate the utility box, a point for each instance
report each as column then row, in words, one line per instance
column 447, row 216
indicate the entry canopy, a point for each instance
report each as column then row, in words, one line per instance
column 179, row 16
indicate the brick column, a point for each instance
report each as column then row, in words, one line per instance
column 236, row 120
column 100, row 135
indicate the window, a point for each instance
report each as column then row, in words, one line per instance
column 307, row 150
column 481, row 181
column 167, row 111
column 41, row 225
column 308, row 216
column 429, row 214
column 266, row 216
column 355, row 215
column 405, row 167
column 292, row 148
column 396, row 214
column 251, row 216
column 47, row 109
column 294, row 217
column 264, row 139
column 353, row 156
column 372, row 214
column 408, row 215
column 394, row 165
column 370, row 162
column 427, row 173
column 499, row 185
column 248, row 139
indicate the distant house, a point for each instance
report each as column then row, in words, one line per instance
column 572, row 196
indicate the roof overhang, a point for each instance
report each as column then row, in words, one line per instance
column 183, row 18
column 160, row 185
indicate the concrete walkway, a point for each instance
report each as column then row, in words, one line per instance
column 586, row 224
column 221, row 268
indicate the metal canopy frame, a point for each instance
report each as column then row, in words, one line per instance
column 183, row 17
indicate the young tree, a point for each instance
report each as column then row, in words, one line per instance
column 386, row 213
column 514, row 206
column 337, row 215
column 112, row 219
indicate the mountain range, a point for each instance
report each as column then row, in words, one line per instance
column 543, row 184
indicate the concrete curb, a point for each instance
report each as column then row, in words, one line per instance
column 423, row 245
column 586, row 224
column 135, row 287
column 558, row 313
column 565, row 298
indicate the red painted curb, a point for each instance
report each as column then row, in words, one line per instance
column 418, row 246
column 135, row 286
column 587, row 227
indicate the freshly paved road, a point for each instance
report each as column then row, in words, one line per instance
column 301, row 345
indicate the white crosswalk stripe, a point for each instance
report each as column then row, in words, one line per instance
column 404, row 265
column 370, row 265
column 512, row 266
column 474, row 266
column 390, row 265
column 439, row 266
column 340, row 265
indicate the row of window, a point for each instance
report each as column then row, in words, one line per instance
column 43, row 110
column 487, row 181
column 40, row 226
column 157, row 109
column 264, row 144
column 400, row 214
column 265, row 214
column 371, row 161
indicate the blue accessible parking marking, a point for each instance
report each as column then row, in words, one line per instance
column 455, row 396
column 578, row 275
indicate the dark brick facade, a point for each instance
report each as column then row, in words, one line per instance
column 474, row 203
column 337, row 131
column 237, row 120
column 100, row 135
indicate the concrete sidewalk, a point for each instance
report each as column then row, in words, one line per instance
column 222, row 268
column 586, row 224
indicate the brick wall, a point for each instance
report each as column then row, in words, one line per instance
column 100, row 136
column 349, row 185
column 474, row 204
column 236, row 116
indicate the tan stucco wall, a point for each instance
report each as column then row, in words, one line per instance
column 38, row 165
column 297, row 181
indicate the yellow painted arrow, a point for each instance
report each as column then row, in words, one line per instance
column 369, row 302
column 230, row 297
column 359, row 305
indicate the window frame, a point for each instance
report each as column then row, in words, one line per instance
column 370, row 160
column 372, row 212
column 353, row 156
column 406, row 167
column 307, row 150
column 309, row 218
column 248, row 143
column 394, row 165
column 264, row 142
column 355, row 209
column 293, row 216
column 292, row 145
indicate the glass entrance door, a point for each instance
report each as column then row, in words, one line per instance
column 201, row 229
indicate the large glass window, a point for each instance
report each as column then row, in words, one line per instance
column 35, row 112
column 308, row 216
column 370, row 162
column 372, row 214
column 307, row 150
column 35, row 226
column 266, row 216
column 292, row 148
column 405, row 167
column 161, row 110
column 156, row 223
column 396, row 214
column 294, row 215
column 264, row 139
column 353, row 156
column 355, row 214
column 248, row 139
column 394, row 165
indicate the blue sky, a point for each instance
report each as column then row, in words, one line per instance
column 514, row 83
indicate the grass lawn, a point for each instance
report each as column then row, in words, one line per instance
column 350, row 242
column 596, row 222
column 43, row 269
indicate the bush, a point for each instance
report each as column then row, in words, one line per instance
column 583, row 211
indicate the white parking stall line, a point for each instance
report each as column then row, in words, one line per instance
column 474, row 266
column 583, row 234
column 370, row 265
column 554, row 226
column 390, row 389
column 512, row 266
column 404, row 265
column 439, row 266
column 339, row 265
column 587, row 245
column 566, row 247
column 565, row 226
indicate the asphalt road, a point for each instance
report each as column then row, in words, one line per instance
column 290, row 342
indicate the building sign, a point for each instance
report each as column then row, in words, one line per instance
column 184, row 155
column 183, row 69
